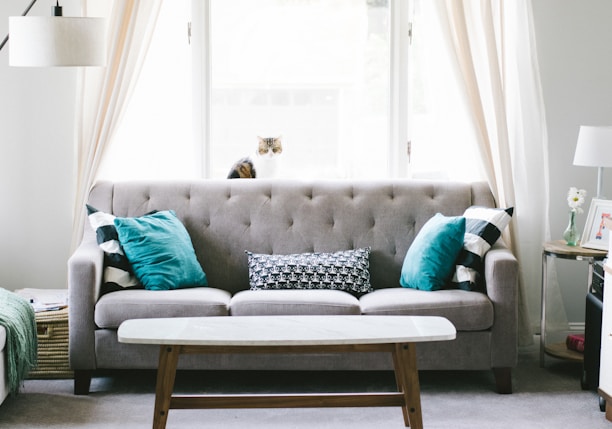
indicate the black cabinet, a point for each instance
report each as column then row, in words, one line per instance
column 592, row 329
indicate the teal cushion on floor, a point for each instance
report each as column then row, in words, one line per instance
column 160, row 250
column 430, row 260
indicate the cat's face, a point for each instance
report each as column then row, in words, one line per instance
column 269, row 146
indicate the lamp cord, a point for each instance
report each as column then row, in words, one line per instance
column 25, row 12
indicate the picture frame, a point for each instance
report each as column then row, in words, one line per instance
column 596, row 235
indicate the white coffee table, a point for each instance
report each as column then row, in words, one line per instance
column 289, row 334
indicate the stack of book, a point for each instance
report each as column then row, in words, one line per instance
column 575, row 342
column 45, row 299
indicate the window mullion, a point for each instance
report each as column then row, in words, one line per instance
column 399, row 113
column 200, row 37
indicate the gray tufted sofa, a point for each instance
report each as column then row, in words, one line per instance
column 226, row 217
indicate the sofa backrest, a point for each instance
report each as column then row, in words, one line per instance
column 226, row 217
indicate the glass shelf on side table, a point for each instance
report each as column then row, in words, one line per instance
column 559, row 249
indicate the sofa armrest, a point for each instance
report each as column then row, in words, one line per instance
column 85, row 268
column 502, row 279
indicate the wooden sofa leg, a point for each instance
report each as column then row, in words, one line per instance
column 503, row 380
column 82, row 381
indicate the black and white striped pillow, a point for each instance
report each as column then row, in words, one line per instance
column 118, row 274
column 483, row 227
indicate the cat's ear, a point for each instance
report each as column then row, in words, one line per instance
column 260, row 139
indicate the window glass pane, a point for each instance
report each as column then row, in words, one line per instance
column 315, row 72
column 154, row 139
column 443, row 136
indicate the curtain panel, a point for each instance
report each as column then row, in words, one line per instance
column 494, row 47
column 103, row 93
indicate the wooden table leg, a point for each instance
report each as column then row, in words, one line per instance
column 399, row 377
column 166, row 373
column 407, row 376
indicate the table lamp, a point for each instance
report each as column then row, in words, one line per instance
column 594, row 149
column 55, row 41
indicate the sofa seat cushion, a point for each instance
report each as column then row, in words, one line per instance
column 293, row 302
column 468, row 311
column 114, row 308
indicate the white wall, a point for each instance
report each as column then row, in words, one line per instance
column 575, row 53
column 36, row 140
column 36, row 164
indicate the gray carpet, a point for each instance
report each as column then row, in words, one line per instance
column 542, row 398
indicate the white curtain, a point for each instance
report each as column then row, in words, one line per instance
column 494, row 48
column 104, row 92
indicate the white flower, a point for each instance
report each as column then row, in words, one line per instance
column 575, row 198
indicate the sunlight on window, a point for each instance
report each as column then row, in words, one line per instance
column 443, row 138
column 155, row 139
column 315, row 72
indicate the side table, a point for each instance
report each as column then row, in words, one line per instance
column 51, row 310
column 559, row 249
column 52, row 330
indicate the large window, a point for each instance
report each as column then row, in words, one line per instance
column 315, row 72
column 346, row 83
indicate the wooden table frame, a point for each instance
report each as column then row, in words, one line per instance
column 404, row 361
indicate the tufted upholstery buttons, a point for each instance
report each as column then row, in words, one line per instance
column 227, row 217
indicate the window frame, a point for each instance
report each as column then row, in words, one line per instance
column 399, row 112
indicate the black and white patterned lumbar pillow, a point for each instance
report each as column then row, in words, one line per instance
column 483, row 227
column 346, row 270
column 118, row 274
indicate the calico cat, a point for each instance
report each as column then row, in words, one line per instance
column 264, row 162
column 242, row 169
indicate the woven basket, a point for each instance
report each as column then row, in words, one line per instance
column 52, row 329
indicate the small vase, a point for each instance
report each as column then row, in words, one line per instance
column 571, row 235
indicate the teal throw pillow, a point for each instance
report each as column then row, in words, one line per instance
column 160, row 250
column 430, row 260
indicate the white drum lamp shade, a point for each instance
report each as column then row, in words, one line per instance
column 55, row 41
column 594, row 149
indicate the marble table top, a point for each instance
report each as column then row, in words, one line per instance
column 285, row 330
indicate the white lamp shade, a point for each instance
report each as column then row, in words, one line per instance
column 41, row 41
column 594, row 147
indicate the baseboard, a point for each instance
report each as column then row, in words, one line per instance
column 576, row 326
column 572, row 327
